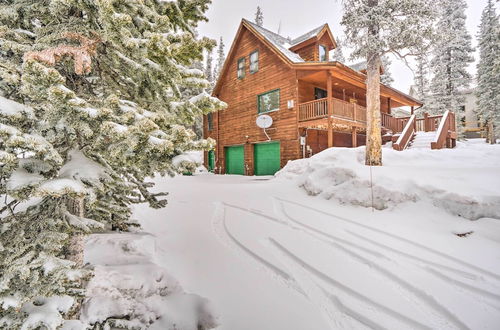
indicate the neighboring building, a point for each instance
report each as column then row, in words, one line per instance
column 314, row 103
column 472, row 126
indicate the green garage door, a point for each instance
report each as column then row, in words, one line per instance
column 235, row 160
column 267, row 158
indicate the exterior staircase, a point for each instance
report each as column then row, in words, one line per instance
column 422, row 140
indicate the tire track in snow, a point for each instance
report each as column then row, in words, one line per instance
column 222, row 232
column 412, row 324
column 402, row 239
column 470, row 288
column 425, row 300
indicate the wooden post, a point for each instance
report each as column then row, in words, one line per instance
column 354, row 137
column 389, row 106
column 412, row 109
column 426, row 122
column 329, row 103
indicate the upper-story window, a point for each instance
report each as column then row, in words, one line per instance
column 241, row 68
column 254, row 61
column 210, row 121
column 323, row 53
column 268, row 101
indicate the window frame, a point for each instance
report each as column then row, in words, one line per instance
column 250, row 61
column 210, row 121
column 319, row 53
column 240, row 60
column 265, row 93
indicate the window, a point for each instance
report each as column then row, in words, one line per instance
column 254, row 61
column 319, row 93
column 269, row 101
column 323, row 52
column 241, row 68
column 210, row 122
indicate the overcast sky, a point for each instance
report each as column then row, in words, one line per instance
column 296, row 17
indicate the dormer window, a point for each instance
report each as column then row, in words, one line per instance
column 241, row 68
column 254, row 61
column 323, row 53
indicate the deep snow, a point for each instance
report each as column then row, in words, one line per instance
column 271, row 256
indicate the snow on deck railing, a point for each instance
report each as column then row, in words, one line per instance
column 405, row 135
column 441, row 126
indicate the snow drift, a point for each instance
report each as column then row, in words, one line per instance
column 129, row 290
column 464, row 181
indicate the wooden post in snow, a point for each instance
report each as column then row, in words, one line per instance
column 329, row 102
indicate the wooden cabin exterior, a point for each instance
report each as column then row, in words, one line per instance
column 314, row 103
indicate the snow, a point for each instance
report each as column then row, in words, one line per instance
column 14, row 109
column 46, row 312
column 269, row 254
column 464, row 181
column 131, row 289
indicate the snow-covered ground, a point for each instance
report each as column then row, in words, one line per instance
column 292, row 253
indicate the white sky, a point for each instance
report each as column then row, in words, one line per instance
column 298, row 17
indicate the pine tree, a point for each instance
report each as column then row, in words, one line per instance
column 221, row 58
column 91, row 105
column 259, row 17
column 488, row 73
column 452, row 54
column 209, row 73
column 386, row 77
column 421, row 79
column 338, row 54
column 374, row 28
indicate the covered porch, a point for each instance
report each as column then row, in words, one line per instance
column 334, row 99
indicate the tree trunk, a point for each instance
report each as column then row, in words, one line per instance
column 491, row 133
column 373, row 124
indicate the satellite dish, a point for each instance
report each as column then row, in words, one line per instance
column 264, row 121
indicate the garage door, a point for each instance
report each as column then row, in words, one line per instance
column 235, row 160
column 267, row 158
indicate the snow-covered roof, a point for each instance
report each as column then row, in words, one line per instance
column 358, row 66
column 280, row 42
column 307, row 35
column 284, row 44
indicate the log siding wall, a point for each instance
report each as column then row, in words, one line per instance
column 236, row 124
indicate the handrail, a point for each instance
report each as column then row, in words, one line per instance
column 446, row 125
column 406, row 135
column 313, row 109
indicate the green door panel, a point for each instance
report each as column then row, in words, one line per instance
column 235, row 160
column 267, row 158
column 211, row 161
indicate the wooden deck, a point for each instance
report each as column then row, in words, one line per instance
column 314, row 114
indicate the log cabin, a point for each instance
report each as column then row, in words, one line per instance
column 314, row 103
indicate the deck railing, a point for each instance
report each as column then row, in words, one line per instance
column 406, row 135
column 313, row 109
column 445, row 131
column 341, row 109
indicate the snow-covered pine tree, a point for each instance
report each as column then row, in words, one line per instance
column 421, row 78
column 221, row 58
column 209, row 72
column 259, row 17
column 338, row 54
column 374, row 28
column 90, row 107
column 386, row 76
column 488, row 77
column 452, row 54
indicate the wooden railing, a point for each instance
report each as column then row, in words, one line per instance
column 446, row 132
column 341, row 109
column 406, row 135
column 313, row 109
